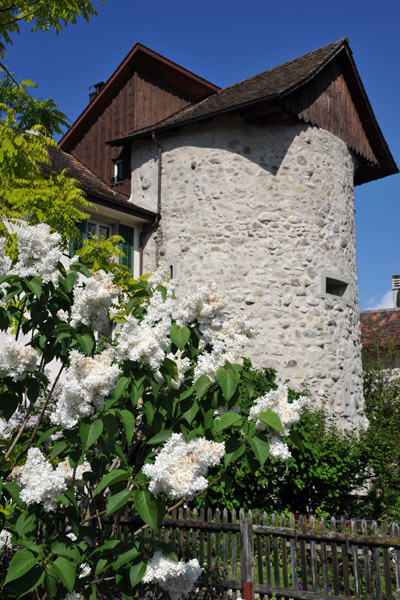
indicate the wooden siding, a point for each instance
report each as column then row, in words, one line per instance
column 139, row 102
column 326, row 101
column 154, row 101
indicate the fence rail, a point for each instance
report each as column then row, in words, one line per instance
column 294, row 558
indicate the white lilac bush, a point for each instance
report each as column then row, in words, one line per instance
column 94, row 426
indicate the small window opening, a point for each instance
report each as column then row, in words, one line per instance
column 335, row 287
column 118, row 170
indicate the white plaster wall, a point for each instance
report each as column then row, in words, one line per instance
column 266, row 211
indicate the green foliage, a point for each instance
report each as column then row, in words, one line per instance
column 380, row 441
column 103, row 255
column 26, row 190
column 323, row 473
column 124, row 431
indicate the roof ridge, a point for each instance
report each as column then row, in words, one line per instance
column 337, row 45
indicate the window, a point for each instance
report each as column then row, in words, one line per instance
column 118, row 170
column 336, row 285
column 91, row 228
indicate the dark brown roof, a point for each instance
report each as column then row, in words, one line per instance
column 144, row 59
column 96, row 190
column 270, row 84
column 380, row 327
column 267, row 91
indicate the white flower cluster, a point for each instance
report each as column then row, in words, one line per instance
column 93, row 299
column 202, row 305
column 65, row 469
column 180, row 466
column 16, row 359
column 5, row 539
column 289, row 414
column 88, row 383
column 41, row 483
column 176, row 578
column 148, row 339
column 38, row 252
column 227, row 342
column 5, row 261
column 73, row 596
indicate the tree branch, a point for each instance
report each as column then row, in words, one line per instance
column 9, row 74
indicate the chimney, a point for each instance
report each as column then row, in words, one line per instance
column 97, row 87
column 396, row 290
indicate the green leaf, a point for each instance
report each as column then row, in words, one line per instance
column 135, row 300
column 171, row 367
column 118, row 501
column 66, row 570
column 136, row 573
column 149, row 411
column 190, row 414
column 201, row 386
column 69, row 551
column 63, row 336
column 129, row 422
column 271, row 419
column 110, row 478
column 90, row 433
column 227, row 420
column 260, row 446
column 120, row 387
column 51, row 580
column 228, row 381
column 180, row 336
column 58, row 448
column 160, row 437
column 12, row 489
column 296, row 440
column 35, row 285
column 125, row 557
column 27, row 583
column 80, row 269
column 46, row 434
column 86, row 342
column 22, row 562
column 234, row 450
column 25, row 524
column 150, row 509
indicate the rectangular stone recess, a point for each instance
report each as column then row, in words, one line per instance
column 335, row 287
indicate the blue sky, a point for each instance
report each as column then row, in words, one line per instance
column 225, row 42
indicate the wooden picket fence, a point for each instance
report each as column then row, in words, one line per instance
column 294, row 558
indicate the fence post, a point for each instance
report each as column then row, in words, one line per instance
column 247, row 557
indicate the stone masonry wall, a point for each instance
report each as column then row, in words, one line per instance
column 268, row 213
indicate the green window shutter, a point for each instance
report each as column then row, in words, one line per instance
column 74, row 246
column 127, row 247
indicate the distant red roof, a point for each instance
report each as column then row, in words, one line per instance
column 380, row 327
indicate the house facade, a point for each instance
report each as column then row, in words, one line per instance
column 251, row 186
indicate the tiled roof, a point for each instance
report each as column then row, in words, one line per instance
column 92, row 185
column 380, row 327
column 270, row 84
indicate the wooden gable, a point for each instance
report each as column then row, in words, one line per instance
column 139, row 102
column 326, row 101
column 143, row 90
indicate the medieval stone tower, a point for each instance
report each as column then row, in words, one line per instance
column 252, row 186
